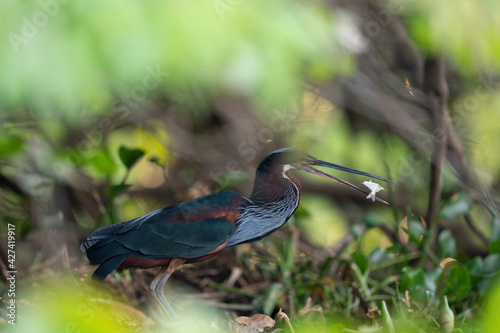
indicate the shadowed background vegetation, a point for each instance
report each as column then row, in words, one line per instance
column 110, row 110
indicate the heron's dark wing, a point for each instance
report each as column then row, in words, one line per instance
column 187, row 230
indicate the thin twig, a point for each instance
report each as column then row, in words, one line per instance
column 436, row 81
column 475, row 230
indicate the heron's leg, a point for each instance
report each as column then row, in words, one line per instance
column 157, row 289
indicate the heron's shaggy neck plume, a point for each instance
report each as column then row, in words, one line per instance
column 274, row 199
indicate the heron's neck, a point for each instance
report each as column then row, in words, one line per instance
column 275, row 185
column 274, row 199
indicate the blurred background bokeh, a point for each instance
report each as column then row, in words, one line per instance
column 109, row 110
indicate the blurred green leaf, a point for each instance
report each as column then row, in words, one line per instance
column 372, row 220
column 129, row 156
column 495, row 233
column 475, row 268
column 436, row 32
column 454, row 281
column 357, row 231
column 156, row 160
column 411, row 277
column 491, row 264
column 491, row 320
column 360, row 260
column 114, row 190
column 10, row 145
column 337, row 328
column 103, row 162
column 494, row 247
column 254, row 49
column 416, row 229
column 303, row 211
column 418, row 282
column 456, row 207
column 386, row 319
column 447, row 244
column 447, row 318
column 268, row 301
column 74, row 307
column 378, row 255
column 323, row 225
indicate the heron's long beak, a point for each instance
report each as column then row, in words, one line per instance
column 315, row 171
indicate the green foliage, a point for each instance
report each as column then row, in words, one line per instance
column 322, row 222
column 416, row 230
column 62, row 306
column 372, row 220
column 361, row 261
column 456, row 207
column 491, row 318
column 130, row 156
column 255, row 49
column 447, row 244
column 10, row 144
column 267, row 302
column 438, row 32
column 386, row 319
column 494, row 245
column 447, row 318
column 454, row 281
column 74, row 99
column 114, row 190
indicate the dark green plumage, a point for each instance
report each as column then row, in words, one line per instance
column 187, row 230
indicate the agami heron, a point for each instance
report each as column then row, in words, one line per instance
column 197, row 230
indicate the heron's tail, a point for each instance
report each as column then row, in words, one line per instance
column 102, row 248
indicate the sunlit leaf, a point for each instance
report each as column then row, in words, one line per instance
column 78, row 308
column 492, row 319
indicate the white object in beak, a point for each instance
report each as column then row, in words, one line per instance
column 374, row 188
